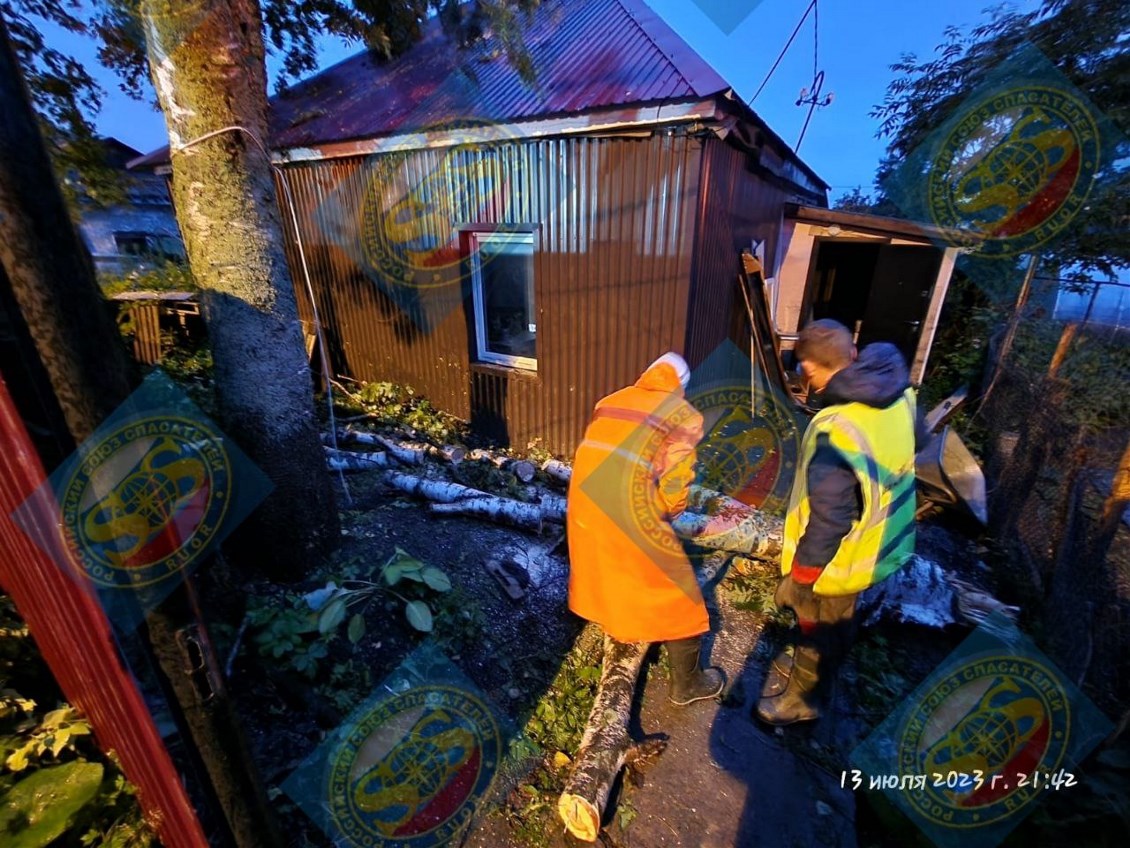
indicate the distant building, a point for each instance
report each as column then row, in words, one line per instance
column 137, row 234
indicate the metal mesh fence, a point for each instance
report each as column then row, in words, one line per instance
column 1055, row 422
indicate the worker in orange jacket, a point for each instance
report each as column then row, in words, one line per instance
column 631, row 477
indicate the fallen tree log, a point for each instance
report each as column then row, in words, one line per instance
column 405, row 452
column 339, row 460
column 520, row 468
column 440, row 491
column 557, row 470
column 528, row 516
column 606, row 746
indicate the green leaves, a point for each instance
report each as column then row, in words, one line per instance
column 55, row 734
column 38, row 809
column 356, row 628
column 419, row 616
column 436, row 579
column 332, row 615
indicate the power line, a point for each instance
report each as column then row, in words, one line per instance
column 784, row 50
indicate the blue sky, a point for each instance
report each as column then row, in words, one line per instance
column 858, row 41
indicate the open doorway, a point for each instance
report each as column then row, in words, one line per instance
column 879, row 291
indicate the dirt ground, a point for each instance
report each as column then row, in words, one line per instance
column 723, row 781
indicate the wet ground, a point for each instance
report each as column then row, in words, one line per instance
column 724, row 779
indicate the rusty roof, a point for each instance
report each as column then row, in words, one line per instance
column 587, row 55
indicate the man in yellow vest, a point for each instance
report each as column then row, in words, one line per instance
column 850, row 522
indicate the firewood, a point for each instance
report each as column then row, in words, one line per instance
column 606, row 746
column 440, row 491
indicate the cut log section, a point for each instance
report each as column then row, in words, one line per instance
column 606, row 746
column 529, row 516
column 718, row 522
column 557, row 470
column 339, row 460
column 520, row 468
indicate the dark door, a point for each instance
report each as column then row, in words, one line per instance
column 900, row 293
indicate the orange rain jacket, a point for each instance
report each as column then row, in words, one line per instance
column 631, row 475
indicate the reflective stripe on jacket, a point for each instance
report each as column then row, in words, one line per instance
column 632, row 473
column 878, row 445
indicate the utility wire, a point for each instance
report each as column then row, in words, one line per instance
column 784, row 50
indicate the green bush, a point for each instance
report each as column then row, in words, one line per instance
column 56, row 787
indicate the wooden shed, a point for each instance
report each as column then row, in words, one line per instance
column 884, row 278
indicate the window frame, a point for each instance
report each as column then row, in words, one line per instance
column 474, row 238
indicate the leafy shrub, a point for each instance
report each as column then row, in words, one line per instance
column 56, row 787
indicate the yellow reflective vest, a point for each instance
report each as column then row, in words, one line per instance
column 878, row 444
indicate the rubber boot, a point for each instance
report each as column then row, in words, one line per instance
column 800, row 700
column 777, row 678
column 689, row 683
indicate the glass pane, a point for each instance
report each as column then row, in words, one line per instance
column 507, row 273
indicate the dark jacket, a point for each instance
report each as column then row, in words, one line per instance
column 878, row 378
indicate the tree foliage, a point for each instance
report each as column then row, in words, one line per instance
column 1086, row 41
column 68, row 98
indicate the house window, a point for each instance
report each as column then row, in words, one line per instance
column 150, row 247
column 502, row 286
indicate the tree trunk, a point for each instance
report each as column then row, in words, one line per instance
column 207, row 63
column 53, row 280
column 606, row 746
column 50, row 270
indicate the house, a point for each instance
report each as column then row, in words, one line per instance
column 135, row 234
column 514, row 250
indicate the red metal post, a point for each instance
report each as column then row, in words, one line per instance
column 74, row 636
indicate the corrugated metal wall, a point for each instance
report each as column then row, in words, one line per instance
column 735, row 207
column 614, row 219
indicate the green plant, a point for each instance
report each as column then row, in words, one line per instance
column 332, row 603
column 164, row 276
column 56, row 787
column 284, row 633
column 399, row 406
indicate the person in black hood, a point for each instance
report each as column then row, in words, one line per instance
column 851, row 514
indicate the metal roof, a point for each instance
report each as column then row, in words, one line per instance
column 587, row 55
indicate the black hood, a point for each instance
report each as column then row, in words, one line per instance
column 878, row 378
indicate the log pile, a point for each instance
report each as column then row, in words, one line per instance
column 712, row 520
